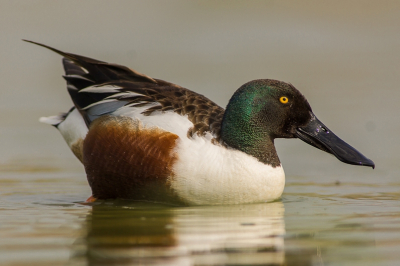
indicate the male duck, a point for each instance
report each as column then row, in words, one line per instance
column 147, row 139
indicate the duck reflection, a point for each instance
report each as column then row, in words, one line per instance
column 132, row 233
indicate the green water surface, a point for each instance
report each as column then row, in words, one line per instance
column 43, row 221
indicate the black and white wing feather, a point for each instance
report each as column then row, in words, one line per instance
column 98, row 88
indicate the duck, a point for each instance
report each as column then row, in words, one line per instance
column 146, row 139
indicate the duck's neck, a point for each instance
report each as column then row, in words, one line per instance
column 242, row 128
column 257, row 145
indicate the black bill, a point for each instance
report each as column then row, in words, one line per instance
column 318, row 135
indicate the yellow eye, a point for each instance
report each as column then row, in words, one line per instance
column 284, row 99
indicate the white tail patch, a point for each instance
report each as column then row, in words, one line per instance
column 52, row 120
column 73, row 128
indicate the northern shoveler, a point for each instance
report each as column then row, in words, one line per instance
column 147, row 139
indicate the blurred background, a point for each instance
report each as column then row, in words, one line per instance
column 344, row 56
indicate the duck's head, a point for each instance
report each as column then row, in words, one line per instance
column 262, row 110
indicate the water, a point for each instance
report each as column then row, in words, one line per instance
column 343, row 56
column 45, row 222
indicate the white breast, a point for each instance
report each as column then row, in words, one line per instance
column 207, row 174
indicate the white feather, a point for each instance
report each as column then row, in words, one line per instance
column 83, row 69
column 123, row 95
column 101, row 89
column 211, row 174
column 73, row 129
column 52, row 120
column 71, row 87
column 98, row 103
column 169, row 121
column 78, row 77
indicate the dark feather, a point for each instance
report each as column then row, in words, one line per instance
column 83, row 72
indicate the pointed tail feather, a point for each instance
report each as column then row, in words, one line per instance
column 54, row 120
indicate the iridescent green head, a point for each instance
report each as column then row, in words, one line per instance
column 262, row 110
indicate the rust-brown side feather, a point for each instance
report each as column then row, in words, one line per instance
column 123, row 159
